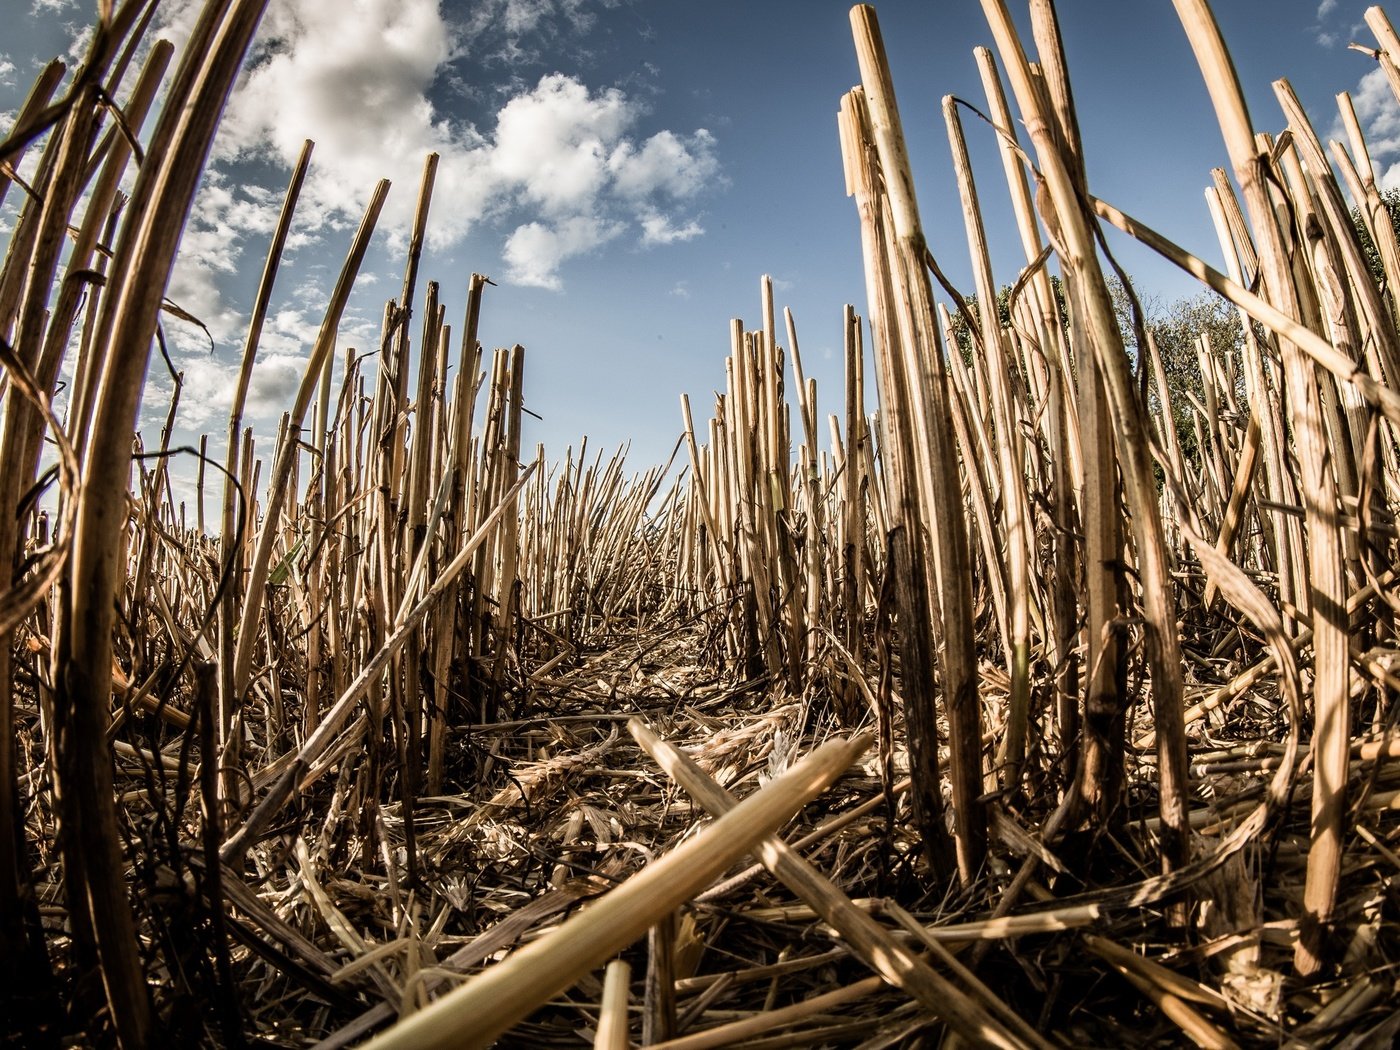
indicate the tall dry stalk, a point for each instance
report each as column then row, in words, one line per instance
column 907, row 561
column 937, row 517
column 1327, row 595
column 1053, row 134
column 432, row 627
column 141, row 268
column 996, row 353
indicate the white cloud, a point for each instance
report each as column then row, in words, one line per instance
column 658, row 229
column 206, row 391
column 51, row 7
column 1379, row 114
column 565, row 152
column 535, row 251
column 79, row 42
column 1326, row 8
column 274, row 383
column 502, row 32
column 559, row 168
column 283, row 353
column 356, row 83
column 554, row 142
column 562, row 166
column 7, row 72
column 211, row 249
column 666, row 163
column 520, row 17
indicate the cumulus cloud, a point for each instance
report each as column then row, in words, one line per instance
column 357, row 84
column 284, row 353
column 7, row 72
column 553, row 169
column 553, row 143
column 535, row 251
column 211, row 252
column 273, row 385
column 564, row 151
column 666, row 163
column 658, row 228
column 80, row 42
column 1379, row 114
column 563, row 165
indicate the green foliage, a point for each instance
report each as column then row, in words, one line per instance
column 1391, row 200
column 1175, row 327
column 1176, row 333
column 963, row 334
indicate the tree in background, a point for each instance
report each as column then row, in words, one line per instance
column 963, row 334
column 1391, row 200
column 1175, row 327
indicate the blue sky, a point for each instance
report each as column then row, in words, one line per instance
column 625, row 170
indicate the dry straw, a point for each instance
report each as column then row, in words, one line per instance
column 351, row 736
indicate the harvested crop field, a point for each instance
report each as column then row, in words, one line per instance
column 1051, row 704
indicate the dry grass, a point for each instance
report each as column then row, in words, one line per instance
column 355, row 767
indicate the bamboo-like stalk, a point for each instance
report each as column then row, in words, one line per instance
column 1162, row 643
column 856, row 488
column 934, row 459
column 40, row 92
column 483, row 1008
column 414, row 547
column 1062, row 429
column 905, row 540
column 1318, row 485
column 982, row 480
column 612, row 1013
column 21, row 940
column 289, row 448
column 881, row 952
column 335, row 718
column 1010, row 458
column 1261, row 379
column 83, row 643
column 1156, row 982
column 1389, row 53
column 234, row 525
column 481, row 625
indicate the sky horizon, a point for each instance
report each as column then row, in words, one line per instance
column 626, row 170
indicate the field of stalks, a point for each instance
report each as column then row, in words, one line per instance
column 1050, row 705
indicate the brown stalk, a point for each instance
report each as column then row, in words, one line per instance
column 478, row 1011
column 1095, row 308
column 612, row 1013
column 1061, row 421
column 334, row 720
column 1317, row 483
column 83, row 643
column 868, row 939
column 939, row 487
column 40, row 92
column 906, row 560
column 288, row 450
column 234, row 525
column 1009, row 456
